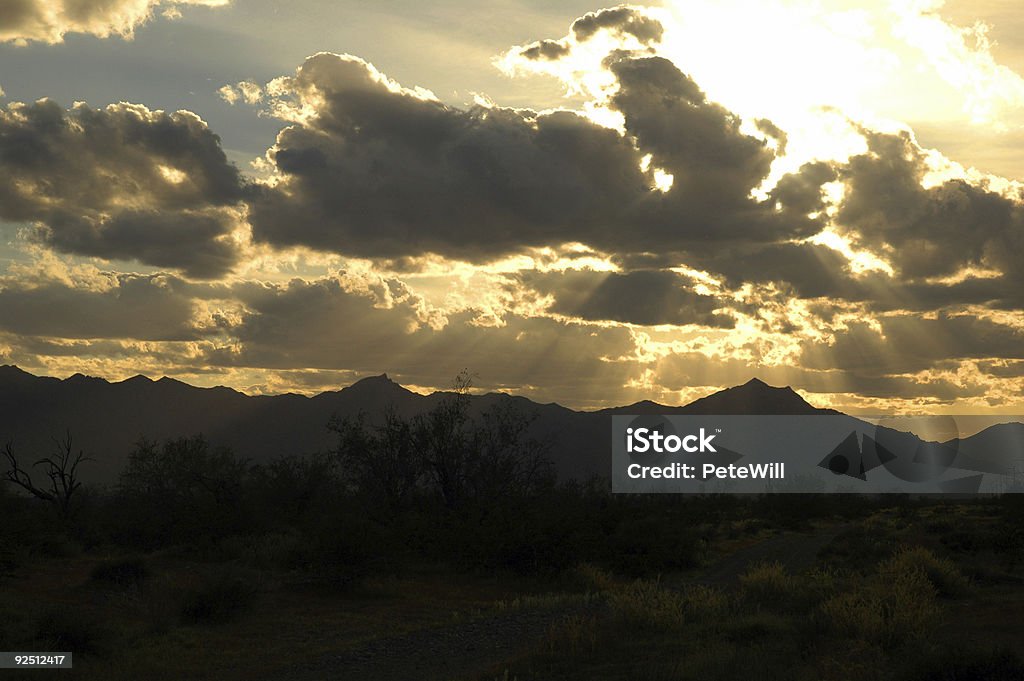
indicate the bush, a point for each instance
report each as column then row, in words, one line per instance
column 899, row 605
column 707, row 605
column 126, row 572
column 592, row 579
column 216, row 599
column 70, row 629
column 768, row 585
column 857, row 549
column 573, row 632
column 942, row 573
column 645, row 605
column 652, row 544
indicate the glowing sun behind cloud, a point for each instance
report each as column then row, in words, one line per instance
column 884, row 63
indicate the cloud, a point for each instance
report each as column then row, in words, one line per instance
column 126, row 307
column 910, row 343
column 644, row 297
column 121, row 182
column 928, row 232
column 337, row 323
column 49, row 21
column 245, row 91
column 645, row 245
column 372, row 169
column 382, row 171
column 620, row 22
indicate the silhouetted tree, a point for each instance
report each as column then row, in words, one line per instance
column 294, row 485
column 184, row 470
column 444, row 450
column 61, row 468
column 442, row 439
column 381, row 461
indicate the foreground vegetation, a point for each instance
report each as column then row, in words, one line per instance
column 447, row 530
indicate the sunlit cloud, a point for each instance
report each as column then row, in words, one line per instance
column 48, row 21
column 731, row 189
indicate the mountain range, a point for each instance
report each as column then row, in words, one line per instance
column 107, row 418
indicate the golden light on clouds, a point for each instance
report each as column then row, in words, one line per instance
column 728, row 189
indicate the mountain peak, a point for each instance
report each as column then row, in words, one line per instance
column 382, row 379
column 80, row 378
column 381, row 382
column 757, row 398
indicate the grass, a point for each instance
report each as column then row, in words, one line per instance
column 879, row 604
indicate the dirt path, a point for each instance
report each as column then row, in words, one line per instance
column 443, row 653
column 463, row 649
column 796, row 553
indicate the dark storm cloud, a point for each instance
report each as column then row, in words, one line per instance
column 120, row 182
column 928, row 232
column 551, row 50
column 382, row 172
column 126, row 306
column 698, row 141
column 641, row 297
column 621, row 21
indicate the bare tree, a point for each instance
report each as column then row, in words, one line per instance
column 61, row 468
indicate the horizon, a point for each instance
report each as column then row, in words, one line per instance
column 589, row 204
column 964, row 425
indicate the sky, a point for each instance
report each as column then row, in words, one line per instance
column 581, row 203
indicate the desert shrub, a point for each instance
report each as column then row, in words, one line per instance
column 592, row 579
column 857, row 549
column 340, row 547
column 898, row 605
column 71, row 629
column 707, row 605
column 769, row 585
column 522, row 538
column 646, row 605
column 217, row 598
column 575, row 633
column 57, row 545
column 124, row 572
column 652, row 544
column 942, row 573
column 751, row 627
column 285, row 549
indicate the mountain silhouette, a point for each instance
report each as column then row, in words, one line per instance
column 755, row 397
column 108, row 418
